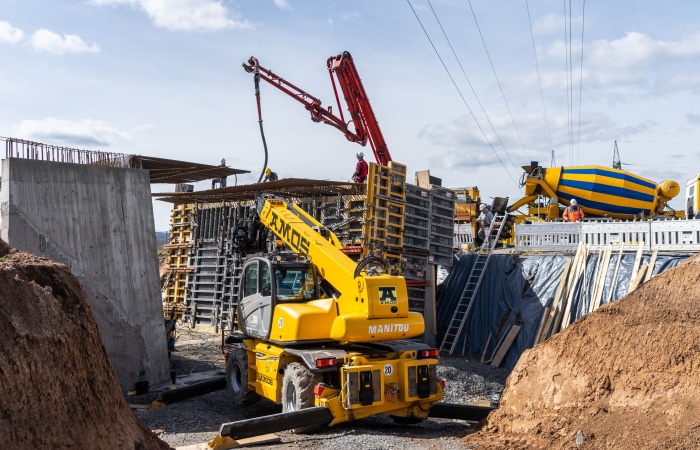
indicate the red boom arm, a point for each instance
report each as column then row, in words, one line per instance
column 364, row 124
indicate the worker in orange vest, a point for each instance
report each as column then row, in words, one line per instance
column 573, row 212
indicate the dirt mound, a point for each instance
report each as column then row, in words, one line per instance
column 625, row 376
column 59, row 390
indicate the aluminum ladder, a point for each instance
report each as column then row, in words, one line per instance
column 459, row 318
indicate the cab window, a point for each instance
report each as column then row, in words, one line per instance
column 250, row 286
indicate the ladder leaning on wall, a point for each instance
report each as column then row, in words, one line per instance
column 464, row 306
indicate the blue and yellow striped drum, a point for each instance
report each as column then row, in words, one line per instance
column 603, row 191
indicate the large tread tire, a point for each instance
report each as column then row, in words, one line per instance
column 298, row 392
column 237, row 379
column 406, row 420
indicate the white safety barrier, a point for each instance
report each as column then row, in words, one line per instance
column 463, row 237
column 662, row 235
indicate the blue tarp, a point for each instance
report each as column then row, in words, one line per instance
column 517, row 288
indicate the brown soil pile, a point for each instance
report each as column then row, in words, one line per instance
column 626, row 376
column 58, row 388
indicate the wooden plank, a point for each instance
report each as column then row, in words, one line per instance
column 600, row 280
column 555, row 302
column 594, row 279
column 556, row 325
column 498, row 344
column 614, row 279
column 635, row 268
column 652, row 264
column 637, row 281
column 486, row 347
column 257, row 440
column 545, row 315
column 505, row 346
column 566, row 318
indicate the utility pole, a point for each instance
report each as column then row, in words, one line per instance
column 616, row 158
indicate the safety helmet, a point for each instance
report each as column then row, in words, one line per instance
column 268, row 171
column 360, row 155
column 573, row 202
column 483, row 206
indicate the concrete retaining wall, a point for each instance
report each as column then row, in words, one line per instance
column 99, row 222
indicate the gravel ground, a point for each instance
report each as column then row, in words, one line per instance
column 197, row 420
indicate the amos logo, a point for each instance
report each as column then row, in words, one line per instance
column 387, row 295
column 290, row 236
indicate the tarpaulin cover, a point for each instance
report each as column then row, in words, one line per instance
column 515, row 290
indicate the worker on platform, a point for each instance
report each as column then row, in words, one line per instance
column 485, row 218
column 573, row 212
column 221, row 181
column 270, row 175
column 361, row 169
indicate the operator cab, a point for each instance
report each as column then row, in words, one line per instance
column 268, row 281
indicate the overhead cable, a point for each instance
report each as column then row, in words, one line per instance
column 470, row 86
column 539, row 79
column 497, row 80
column 459, row 91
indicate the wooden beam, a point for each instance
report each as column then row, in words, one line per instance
column 652, row 263
column 635, row 268
column 614, row 279
column 637, row 281
column 566, row 318
column 505, row 346
column 555, row 302
column 545, row 315
column 600, row 280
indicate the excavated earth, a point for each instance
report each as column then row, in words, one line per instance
column 625, row 377
column 58, row 388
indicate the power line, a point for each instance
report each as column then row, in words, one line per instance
column 539, row 79
column 470, row 84
column 580, row 86
column 497, row 80
column 459, row 91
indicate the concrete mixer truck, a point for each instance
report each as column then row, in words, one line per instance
column 600, row 191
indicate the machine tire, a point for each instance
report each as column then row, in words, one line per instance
column 298, row 392
column 237, row 378
column 406, row 420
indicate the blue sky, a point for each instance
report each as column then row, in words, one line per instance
column 163, row 78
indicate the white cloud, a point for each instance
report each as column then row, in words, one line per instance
column 554, row 23
column 186, row 15
column 85, row 132
column 637, row 50
column 10, row 34
column 47, row 41
column 282, row 4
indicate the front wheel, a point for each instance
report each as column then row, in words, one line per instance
column 237, row 378
column 298, row 392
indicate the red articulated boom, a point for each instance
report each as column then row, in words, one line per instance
column 365, row 127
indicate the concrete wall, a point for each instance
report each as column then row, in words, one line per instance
column 99, row 222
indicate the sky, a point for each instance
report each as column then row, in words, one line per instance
column 469, row 89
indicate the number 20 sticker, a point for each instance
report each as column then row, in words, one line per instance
column 388, row 369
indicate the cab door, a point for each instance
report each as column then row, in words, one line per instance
column 256, row 303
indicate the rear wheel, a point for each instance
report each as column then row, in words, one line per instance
column 298, row 392
column 406, row 420
column 237, row 378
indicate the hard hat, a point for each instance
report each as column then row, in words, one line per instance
column 573, row 202
column 360, row 155
column 268, row 171
column 483, row 206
